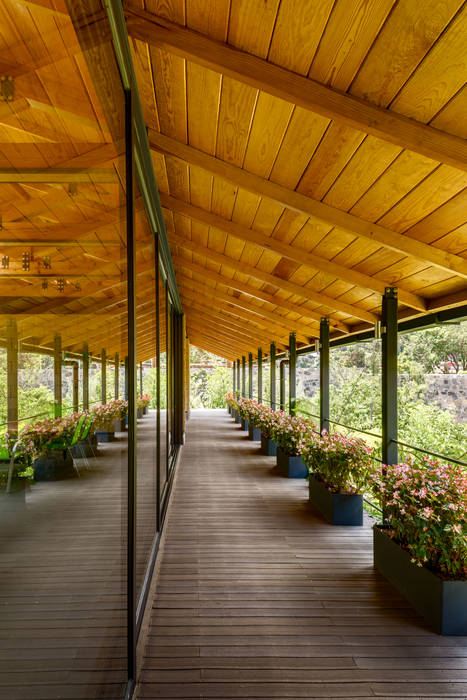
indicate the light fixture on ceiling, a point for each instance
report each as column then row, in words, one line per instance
column 45, row 284
column 26, row 261
column 5, row 262
column 61, row 284
column 46, row 262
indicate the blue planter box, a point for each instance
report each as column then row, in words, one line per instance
column 244, row 424
column 337, row 508
column 268, row 446
column 55, row 465
column 254, row 433
column 442, row 603
column 238, row 418
column 291, row 466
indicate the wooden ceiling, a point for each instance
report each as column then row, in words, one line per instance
column 309, row 153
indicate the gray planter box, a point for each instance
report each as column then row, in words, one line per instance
column 139, row 412
column 254, row 433
column 337, row 508
column 234, row 414
column 104, row 435
column 229, row 410
column 120, row 425
column 145, row 410
column 238, row 418
column 268, row 446
column 291, row 466
column 55, row 465
column 244, row 424
column 85, row 448
column 442, row 603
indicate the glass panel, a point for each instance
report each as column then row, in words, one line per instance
column 146, row 468
column 62, row 299
column 163, row 385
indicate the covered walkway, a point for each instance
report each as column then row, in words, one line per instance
column 259, row 597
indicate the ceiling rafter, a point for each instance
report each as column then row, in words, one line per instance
column 274, row 321
column 297, row 89
column 284, row 285
column 296, row 201
column 248, row 289
column 298, row 255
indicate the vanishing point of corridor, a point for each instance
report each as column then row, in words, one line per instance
column 258, row 597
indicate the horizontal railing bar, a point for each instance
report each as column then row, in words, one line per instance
column 433, row 454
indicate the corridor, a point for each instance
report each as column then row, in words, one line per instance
column 257, row 597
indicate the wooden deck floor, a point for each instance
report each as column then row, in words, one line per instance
column 258, row 598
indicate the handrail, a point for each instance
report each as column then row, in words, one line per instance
column 433, row 454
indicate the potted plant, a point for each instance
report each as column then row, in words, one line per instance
column 145, row 400
column 105, row 416
column 340, row 467
column 422, row 546
column 290, row 434
column 250, row 411
column 37, row 442
column 266, row 419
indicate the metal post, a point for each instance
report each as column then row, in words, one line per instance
column 260, row 375
column 233, row 378
column 103, row 376
column 272, row 360
column 75, row 387
column 389, row 376
column 57, row 375
column 12, row 377
column 238, row 378
column 178, row 378
column 282, row 364
column 85, row 377
column 243, row 375
column 292, row 373
column 117, row 376
column 158, row 385
column 125, row 379
column 131, row 387
column 140, row 378
column 324, row 374
column 250, row 375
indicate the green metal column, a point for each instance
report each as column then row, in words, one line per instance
column 389, row 376
column 85, row 377
column 57, row 375
column 75, row 387
column 282, row 365
column 140, row 378
column 272, row 376
column 117, row 376
column 324, row 374
column 12, row 377
column 126, row 379
column 243, row 375
column 233, row 378
column 250, row 375
column 260, row 375
column 238, row 378
column 292, row 373
column 103, row 376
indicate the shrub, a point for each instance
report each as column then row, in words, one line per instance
column 291, row 433
column 342, row 463
column 426, row 508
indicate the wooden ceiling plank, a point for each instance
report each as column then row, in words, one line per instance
column 299, row 90
column 292, row 253
column 58, row 175
column 306, row 205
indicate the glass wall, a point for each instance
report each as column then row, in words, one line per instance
column 66, row 617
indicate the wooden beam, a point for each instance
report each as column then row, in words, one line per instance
column 299, row 90
column 225, row 337
column 298, row 255
column 248, row 289
column 284, row 285
column 58, row 175
column 215, row 323
column 225, row 313
column 246, row 310
column 311, row 207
